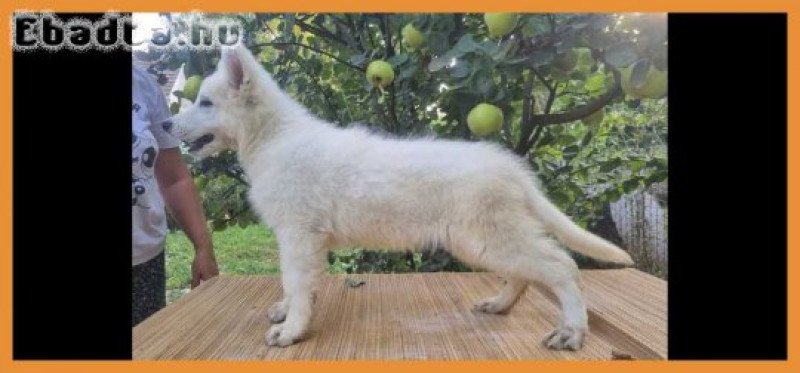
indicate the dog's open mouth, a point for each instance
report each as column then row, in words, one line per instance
column 200, row 142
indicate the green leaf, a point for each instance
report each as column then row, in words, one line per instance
column 514, row 61
column 610, row 165
column 657, row 176
column 636, row 166
column 465, row 45
column 565, row 169
column 574, row 190
column 657, row 162
column 577, row 75
column 595, row 82
column 639, row 73
column 500, row 52
column 483, row 82
column 440, row 62
column 630, row 186
column 542, row 57
column 460, row 70
column 398, row 59
column 622, row 54
column 582, row 175
column 571, row 150
column 358, row 59
column 408, row 71
column 561, row 197
column 566, row 139
column 587, row 138
column 218, row 225
column 501, row 95
column 613, row 195
column 437, row 42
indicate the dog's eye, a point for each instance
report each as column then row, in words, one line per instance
column 205, row 102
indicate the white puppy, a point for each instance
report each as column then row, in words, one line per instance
column 320, row 187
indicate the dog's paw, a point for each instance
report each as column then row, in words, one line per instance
column 277, row 312
column 279, row 335
column 490, row 305
column 565, row 338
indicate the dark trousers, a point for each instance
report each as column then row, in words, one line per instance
column 149, row 284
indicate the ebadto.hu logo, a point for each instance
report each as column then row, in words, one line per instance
column 32, row 31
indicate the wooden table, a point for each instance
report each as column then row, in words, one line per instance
column 407, row 317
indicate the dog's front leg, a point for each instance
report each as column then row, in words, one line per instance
column 302, row 264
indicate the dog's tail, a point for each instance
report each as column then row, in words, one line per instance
column 572, row 235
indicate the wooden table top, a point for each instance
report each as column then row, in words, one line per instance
column 407, row 317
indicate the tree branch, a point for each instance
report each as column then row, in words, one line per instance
column 541, row 120
column 580, row 111
column 530, row 126
column 347, row 29
column 318, row 31
column 526, row 125
column 357, row 36
column 547, row 83
column 548, row 106
column 552, row 21
column 551, row 98
column 387, row 37
column 317, row 81
column 365, row 27
column 458, row 27
column 536, row 134
column 279, row 44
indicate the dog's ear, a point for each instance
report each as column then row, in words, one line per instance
column 233, row 67
column 238, row 63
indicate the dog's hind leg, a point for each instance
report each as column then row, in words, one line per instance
column 516, row 253
column 546, row 263
column 508, row 296
column 302, row 264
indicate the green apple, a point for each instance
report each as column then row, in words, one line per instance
column 594, row 118
column 566, row 61
column 655, row 84
column 500, row 24
column 191, row 87
column 380, row 73
column 484, row 119
column 412, row 37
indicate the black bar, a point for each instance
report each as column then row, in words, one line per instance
column 72, row 266
column 727, row 158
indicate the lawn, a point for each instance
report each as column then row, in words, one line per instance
column 240, row 251
column 254, row 251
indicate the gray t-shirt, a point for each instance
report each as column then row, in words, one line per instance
column 149, row 215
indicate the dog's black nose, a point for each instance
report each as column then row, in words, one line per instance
column 166, row 125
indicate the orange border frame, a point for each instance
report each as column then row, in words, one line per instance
column 789, row 6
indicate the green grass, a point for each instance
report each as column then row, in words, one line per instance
column 254, row 251
column 239, row 251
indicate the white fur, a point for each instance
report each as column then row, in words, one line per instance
column 320, row 187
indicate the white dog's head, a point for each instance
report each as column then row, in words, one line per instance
column 225, row 106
